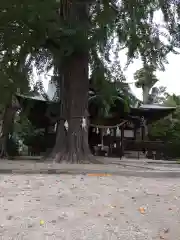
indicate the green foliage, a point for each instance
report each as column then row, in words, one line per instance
column 145, row 77
column 168, row 129
column 36, row 32
column 12, row 147
column 45, row 33
column 158, row 95
column 23, row 129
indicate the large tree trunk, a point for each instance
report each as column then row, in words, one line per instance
column 72, row 143
column 7, row 125
column 4, row 132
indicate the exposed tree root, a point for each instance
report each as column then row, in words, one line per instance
column 73, row 148
column 80, row 154
column 71, row 158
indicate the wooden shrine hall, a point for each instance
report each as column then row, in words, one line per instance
column 130, row 134
column 114, row 135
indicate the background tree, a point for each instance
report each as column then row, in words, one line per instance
column 158, row 95
column 168, row 129
column 13, row 79
column 28, row 135
column 146, row 79
column 71, row 35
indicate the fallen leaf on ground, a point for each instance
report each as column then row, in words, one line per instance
column 142, row 210
column 9, row 217
column 111, row 206
column 41, row 222
column 166, row 230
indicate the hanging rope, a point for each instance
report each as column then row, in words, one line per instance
column 105, row 126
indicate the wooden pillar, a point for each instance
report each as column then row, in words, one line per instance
column 142, row 128
column 135, row 132
column 122, row 141
column 114, row 134
column 142, row 133
column 102, row 138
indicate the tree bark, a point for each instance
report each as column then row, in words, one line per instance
column 7, row 125
column 72, row 143
column 145, row 90
column 4, row 133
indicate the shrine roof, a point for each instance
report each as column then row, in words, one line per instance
column 156, row 106
column 39, row 111
column 152, row 112
column 36, row 97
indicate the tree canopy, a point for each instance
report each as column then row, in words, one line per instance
column 74, row 35
column 33, row 32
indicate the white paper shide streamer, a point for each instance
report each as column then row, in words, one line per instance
column 83, row 124
column 66, row 125
column 108, row 131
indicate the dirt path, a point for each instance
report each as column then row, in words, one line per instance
column 91, row 208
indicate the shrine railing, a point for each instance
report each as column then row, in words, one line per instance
column 135, row 145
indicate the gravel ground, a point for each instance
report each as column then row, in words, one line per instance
column 88, row 207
